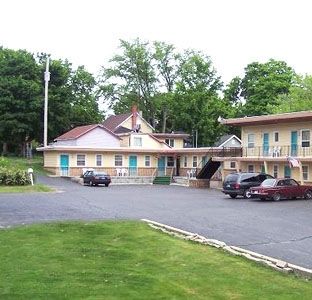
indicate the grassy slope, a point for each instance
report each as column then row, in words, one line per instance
column 128, row 260
column 21, row 163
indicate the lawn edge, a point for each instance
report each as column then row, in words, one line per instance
column 274, row 263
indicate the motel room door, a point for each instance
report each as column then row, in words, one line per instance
column 64, row 163
column 265, row 144
column 294, row 143
column 161, row 166
column 133, row 165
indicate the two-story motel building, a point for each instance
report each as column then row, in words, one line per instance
column 269, row 141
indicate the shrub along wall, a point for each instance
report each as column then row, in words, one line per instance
column 13, row 177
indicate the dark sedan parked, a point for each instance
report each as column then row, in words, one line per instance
column 96, row 178
column 277, row 189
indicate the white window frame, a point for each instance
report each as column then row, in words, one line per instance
column 302, row 140
column 185, row 162
column 137, row 141
column 274, row 136
column 173, row 160
column 252, row 167
column 85, row 160
column 147, row 162
column 232, row 162
column 195, row 161
column 170, row 142
column 96, row 160
column 307, row 172
column 275, row 171
column 118, row 155
column 251, row 144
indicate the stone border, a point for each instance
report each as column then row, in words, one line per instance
column 274, row 263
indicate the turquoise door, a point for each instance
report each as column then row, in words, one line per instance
column 265, row 144
column 287, row 172
column 133, row 167
column 64, row 163
column 204, row 160
column 161, row 166
column 294, row 143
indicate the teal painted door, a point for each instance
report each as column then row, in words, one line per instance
column 64, row 163
column 161, row 166
column 204, row 160
column 265, row 144
column 287, row 172
column 294, row 143
column 133, row 167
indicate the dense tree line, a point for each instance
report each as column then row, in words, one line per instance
column 72, row 98
column 176, row 91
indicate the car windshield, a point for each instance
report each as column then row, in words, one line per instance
column 268, row 182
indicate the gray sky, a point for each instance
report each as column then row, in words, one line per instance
column 232, row 33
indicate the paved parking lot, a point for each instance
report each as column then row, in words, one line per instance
column 279, row 229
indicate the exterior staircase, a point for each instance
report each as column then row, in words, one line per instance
column 165, row 180
column 208, row 169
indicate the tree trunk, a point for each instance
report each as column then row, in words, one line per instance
column 164, row 120
column 5, row 148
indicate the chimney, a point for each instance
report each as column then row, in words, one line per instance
column 134, row 111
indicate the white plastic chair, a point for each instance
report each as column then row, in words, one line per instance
column 118, row 171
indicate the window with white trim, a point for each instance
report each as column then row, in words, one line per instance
column 137, row 141
column 170, row 142
column 185, row 162
column 305, row 172
column 305, row 138
column 275, row 171
column 98, row 160
column 251, row 140
column 118, row 160
column 81, row 160
column 170, row 161
column 147, row 161
column 194, row 161
column 251, row 168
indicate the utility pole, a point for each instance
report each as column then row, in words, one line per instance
column 45, row 125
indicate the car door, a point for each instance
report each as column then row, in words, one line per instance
column 87, row 176
column 294, row 188
column 281, row 188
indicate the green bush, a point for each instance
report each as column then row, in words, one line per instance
column 13, row 177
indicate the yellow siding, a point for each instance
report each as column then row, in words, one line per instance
column 124, row 141
column 51, row 159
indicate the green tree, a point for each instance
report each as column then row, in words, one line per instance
column 85, row 108
column 263, row 83
column 299, row 97
column 131, row 78
column 19, row 97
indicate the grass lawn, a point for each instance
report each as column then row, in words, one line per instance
column 129, row 260
column 25, row 188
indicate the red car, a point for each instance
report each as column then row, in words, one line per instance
column 277, row 189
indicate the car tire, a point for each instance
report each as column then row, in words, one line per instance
column 233, row 196
column 247, row 194
column 308, row 195
column 277, row 197
column 90, row 183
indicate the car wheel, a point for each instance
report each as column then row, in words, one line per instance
column 277, row 197
column 308, row 195
column 247, row 194
column 233, row 196
column 90, row 183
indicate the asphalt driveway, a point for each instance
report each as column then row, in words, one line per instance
column 279, row 229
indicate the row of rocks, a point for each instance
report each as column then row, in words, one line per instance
column 274, row 263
